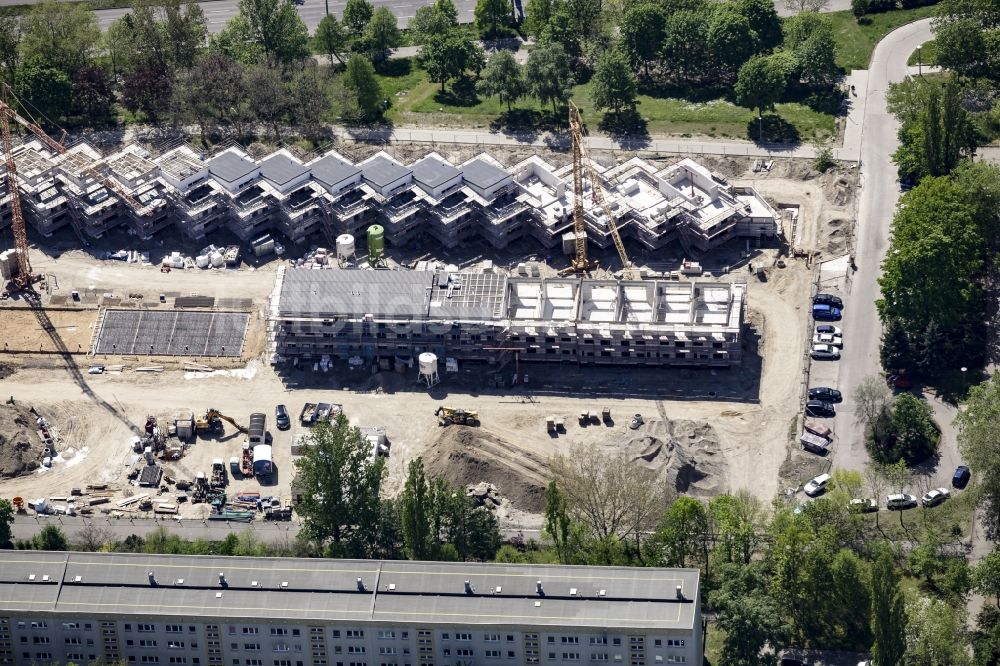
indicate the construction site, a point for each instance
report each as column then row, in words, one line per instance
column 410, row 288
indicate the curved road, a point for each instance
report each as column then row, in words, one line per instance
column 877, row 203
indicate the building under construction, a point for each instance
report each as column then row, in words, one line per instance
column 486, row 316
column 325, row 195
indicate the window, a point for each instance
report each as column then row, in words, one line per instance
column 657, row 642
column 675, row 642
column 386, row 633
column 255, row 662
column 463, row 652
column 571, row 656
column 251, row 647
column 677, row 659
column 355, row 633
column 175, row 645
column 616, row 641
column 355, row 649
column 463, row 637
column 510, row 638
column 598, row 640
column 147, row 643
column 551, row 639
column 336, row 633
column 280, row 647
column 572, row 640
column 40, row 640
column 444, row 637
column 493, row 654
column 74, row 656
column 598, row 656
column 43, row 655
column 234, row 646
column 174, row 628
column 250, row 631
column 295, row 632
column 178, row 660
column 149, row 659
column 281, row 662
column 510, row 654
column 279, row 631
column 387, row 650
column 491, row 638
column 73, row 640
column 446, row 652
column 69, row 626
column 41, row 624
column 146, row 628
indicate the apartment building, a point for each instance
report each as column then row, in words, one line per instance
column 476, row 316
column 430, row 200
column 228, row 611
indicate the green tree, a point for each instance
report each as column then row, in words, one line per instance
column 680, row 539
column 557, row 522
column 186, row 28
column 986, row 637
column 764, row 21
column 340, row 484
column 491, row 17
column 267, row 96
column 614, row 84
column 308, row 93
column 45, row 89
column 643, row 30
column 967, row 35
column 430, row 20
column 859, row 8
column 50, row 538
column 357, row 14
column 888, row 619
column 10, row 42
column 147, row 89
column 62, row 35
column 6, row 520
column 276, row 27
column 503, row 77
column 537, row 15
column 737, row 522
column 749, row 616
column 760, row 84
column 548, row 74
column 92, row 94
column 895, row 354
column 683, row 51
column 731, row 39
column 331, row 38
column 911, row 433
column 366, row 93
column 448, row 56
column 415, row 510
column 935, row 634
column 979, row 442
column 382, row 34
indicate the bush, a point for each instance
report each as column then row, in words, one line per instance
column 906, row 431
column 859, row 8
column 824, row 159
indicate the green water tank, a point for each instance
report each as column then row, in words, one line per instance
column 376, row 241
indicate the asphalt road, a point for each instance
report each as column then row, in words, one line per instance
column 877, row 203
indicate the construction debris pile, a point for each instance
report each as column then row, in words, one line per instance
column 23, row 446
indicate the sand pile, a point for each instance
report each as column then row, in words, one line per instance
column 20, row 446
column 686, row 452
column 469, row 456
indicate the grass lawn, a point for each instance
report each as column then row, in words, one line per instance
column 926, row 54
column 713, row 643
column 855, row 42
column 417, row 101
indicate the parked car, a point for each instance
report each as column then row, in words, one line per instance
column 828, row 339
column 935, row 497
column 825, row 393
column 829, row 328
column 900, row 501
column 817, row 486
column 828, row 299
column 823, row 312
column 281, row 418
column 820, row 408
column 962, row 476
column 863, row 505
column 825, row 353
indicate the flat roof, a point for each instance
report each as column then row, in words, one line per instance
column 381, row 171
column 305, row 590
column 331, row 170
column 230, row 167
column 281, row 169
column 432, row 172
column 482, row 174
column 355, row 292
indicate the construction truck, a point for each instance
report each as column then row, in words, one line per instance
column 212, row 421
column 246, row 466
column 449, row 415
column 218, row 474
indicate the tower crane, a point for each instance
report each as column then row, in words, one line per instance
column 581, row 161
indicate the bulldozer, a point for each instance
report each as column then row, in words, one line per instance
column 212, row 421
column 448, row 415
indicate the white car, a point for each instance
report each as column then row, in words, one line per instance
column 825, row 352
column 935, row 497
column 817, row 486
column 828, row 339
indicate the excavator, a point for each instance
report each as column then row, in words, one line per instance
column 212, row 421
column 449, row 415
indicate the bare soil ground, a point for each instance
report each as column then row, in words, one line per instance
column 21, row 448
column 20, row 331
column 710, row 431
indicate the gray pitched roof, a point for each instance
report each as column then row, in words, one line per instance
column 482, row 174
column 431, row 593
column 331, row 170
column 380, row 171
column 432, row 172
column 281, row 169
column 230, row 167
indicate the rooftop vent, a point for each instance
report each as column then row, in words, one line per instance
column 361, row 585
column 179, row 581
column 470, row 588
column 602, row 593
column 222, row 579
column 497, row 590
column 572, row 591
column 538, row 589
column 391, row 587
column 77, row 579
column 31, row 576
column 218, row 595
column 152, row 578
column 284, row 583
column 254, row 583
column 45, row 578
column 680, row 592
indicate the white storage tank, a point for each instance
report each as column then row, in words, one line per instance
column 345, row 246
column 428, row 363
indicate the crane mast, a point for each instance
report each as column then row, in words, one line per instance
column 23, row 277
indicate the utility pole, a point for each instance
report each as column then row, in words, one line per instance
column 327, row 7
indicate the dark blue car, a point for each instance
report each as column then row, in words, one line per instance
column 962, row 476
column 824, row 312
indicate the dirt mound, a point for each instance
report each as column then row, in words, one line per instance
column 834, row 235
column 686, row 452
column 6, row 370
column 727, row 166
column 468, row 456
column 20, row 446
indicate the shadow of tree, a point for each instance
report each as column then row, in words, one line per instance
column 462, row 93
column 395, row 67
column 627, row 127
column 772, row 128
